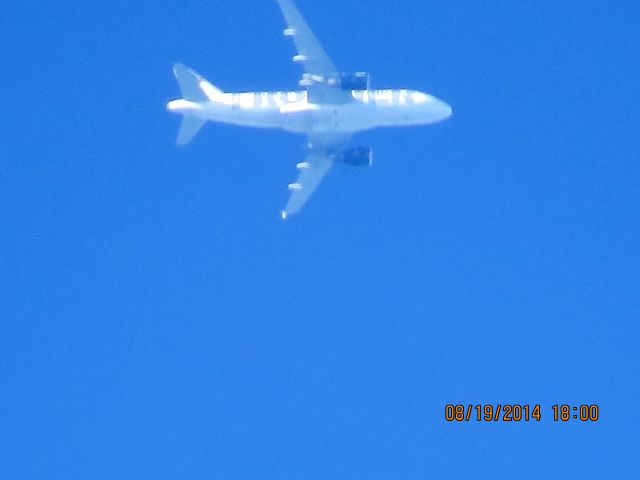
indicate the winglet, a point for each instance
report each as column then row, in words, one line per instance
column 283, row 214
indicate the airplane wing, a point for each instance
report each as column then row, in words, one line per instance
column 313, row 169
column 315, row 61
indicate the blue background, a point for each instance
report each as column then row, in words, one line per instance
column 159, row 321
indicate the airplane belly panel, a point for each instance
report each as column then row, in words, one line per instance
column 260, row 117
column 351, row 117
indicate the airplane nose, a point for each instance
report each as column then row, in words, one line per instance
column 443, row 109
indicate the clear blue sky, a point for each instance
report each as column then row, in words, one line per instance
column 159, row 321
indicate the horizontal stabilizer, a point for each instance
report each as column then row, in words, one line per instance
column 194, row 86
column 188, row 129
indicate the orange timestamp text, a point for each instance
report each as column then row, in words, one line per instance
column 515, row 412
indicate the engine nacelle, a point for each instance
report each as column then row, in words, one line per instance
column 350, row 81
column 358, row 157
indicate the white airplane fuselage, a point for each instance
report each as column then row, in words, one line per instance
column 291, row 111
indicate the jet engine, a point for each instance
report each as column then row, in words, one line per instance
column 359, row 156
column 350, row 81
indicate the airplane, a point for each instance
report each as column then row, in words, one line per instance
column 329, row 109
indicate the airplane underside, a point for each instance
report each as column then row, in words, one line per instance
column 304, row 117
column 332, row 107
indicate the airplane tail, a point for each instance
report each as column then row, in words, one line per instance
column 194, row 88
